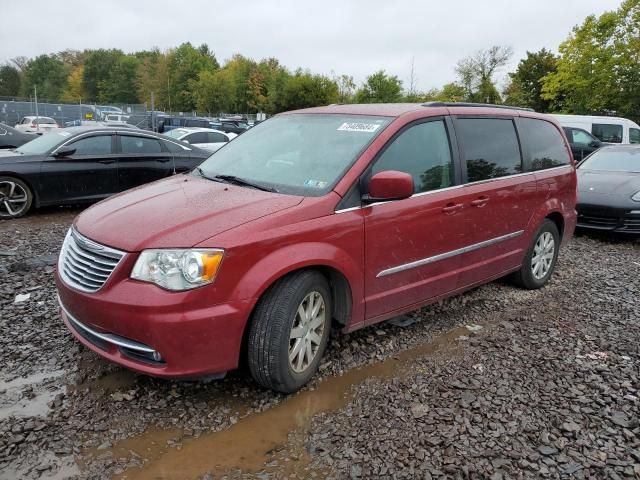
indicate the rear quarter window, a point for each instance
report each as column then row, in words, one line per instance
column 542, row 145
column 607, row 132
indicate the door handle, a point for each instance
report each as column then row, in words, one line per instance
column 106, row 161
column 480, row 202
column 163, row 160
column 452, row 208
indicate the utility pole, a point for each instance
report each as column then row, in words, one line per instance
column 153, row 112
column 35, row 96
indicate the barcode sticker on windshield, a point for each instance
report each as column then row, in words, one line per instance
column 358, row 127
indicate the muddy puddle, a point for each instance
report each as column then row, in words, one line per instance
column 269, row 443
column 29, row 396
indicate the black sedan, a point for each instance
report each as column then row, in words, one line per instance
column 609, row 190
column 85, row 164
column 12, row 138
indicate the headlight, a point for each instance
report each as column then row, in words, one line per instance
column 636, row 197
column 178, row 269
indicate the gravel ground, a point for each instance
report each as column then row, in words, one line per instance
column 540, row 384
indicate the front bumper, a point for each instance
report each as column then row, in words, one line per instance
column 152, row 331
column 611, row 219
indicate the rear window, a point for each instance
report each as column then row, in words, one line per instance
column 46, row 121
column 542, row 145
column 491, row 148
column 607, row 132
column 634, row 135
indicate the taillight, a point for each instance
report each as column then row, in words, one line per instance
column 33, row 125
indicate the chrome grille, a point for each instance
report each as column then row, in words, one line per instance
column 84, row 264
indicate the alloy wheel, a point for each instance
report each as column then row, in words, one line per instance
column 13, row 199
column 306, row 333
column 543, row 254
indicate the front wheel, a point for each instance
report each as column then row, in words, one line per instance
column 15, row 198
column 541, row 257
column 289, row 331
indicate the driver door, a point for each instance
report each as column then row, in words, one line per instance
column 89, row 174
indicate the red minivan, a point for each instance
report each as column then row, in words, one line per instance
column 344, row 216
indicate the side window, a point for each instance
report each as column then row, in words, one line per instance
column 607, row 132
column 174, row 148
column 581, row 137
column 215, row 137
column 422, row 151
column 197, row 137
column 98, row 145
column 139, row 145
column 634, row 135
column 543, row 144
column 490, row 147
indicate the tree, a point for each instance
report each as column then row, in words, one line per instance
column 152, row 76
column 185, row 65
column 304, row 90
column 9, row 81
column 98, row 67
column 380, row 88
column 346, row 88
column 451, row 92
column 599, row 66
column 525, row 89
column 475, row 73
column 120, row 85
column 47, row 73
column 73, row 90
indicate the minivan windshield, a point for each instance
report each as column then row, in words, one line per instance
column 614, row 159
column 298, row 154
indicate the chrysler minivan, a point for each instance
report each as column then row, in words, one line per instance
column 340, row 216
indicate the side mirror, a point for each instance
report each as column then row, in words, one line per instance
column 389, row 185
column 65, row 152
column 186, row 141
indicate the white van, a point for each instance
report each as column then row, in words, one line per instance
column 606, row 129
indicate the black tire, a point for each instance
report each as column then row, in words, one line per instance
column 272, row 321
column 6, row 206
column 526, row 277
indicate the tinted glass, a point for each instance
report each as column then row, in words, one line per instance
column 197, row 137
column 98, row 145
column 614, row 159
column 423, row 152
column 607, row 132
column 46, row 121
column 196, row 123
column 139, row 145
column 581, row 137
column 215, row 137
column 490, row 146
column 303, row 154
column 634, row 135
column 543, row 144
column 174, row 148
column 176, row 133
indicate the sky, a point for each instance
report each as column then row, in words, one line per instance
column 355, row 37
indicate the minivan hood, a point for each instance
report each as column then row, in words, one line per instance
column 177, row 212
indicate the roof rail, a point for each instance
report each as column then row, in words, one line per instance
column 468, row 104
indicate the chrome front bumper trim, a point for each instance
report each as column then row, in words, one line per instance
column 108, row 337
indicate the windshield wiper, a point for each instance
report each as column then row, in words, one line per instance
column 201, row 173
column 241, row 181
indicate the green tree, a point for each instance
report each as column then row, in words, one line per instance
column 599, row 66
column 120, row 85
column 152, row 76
column 346, row 88
column 73, row 89
column 380, row 88
column 476, row 72
column 304, row 90
column 98, row 67
column 525, row 88
column 47, row 73
column 10, row 81
column 185, row 65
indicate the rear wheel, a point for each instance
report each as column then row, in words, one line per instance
column 541, row 257
column 15, row 198
column 289, row 331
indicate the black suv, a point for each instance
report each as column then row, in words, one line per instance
column 582, row 143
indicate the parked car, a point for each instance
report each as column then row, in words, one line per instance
column 609, row 190
column 115, row 117
column 205, row 138
column 12, row 138
column 341, row 216
column 606, row 129
column 582, row 143
column 104, row 110
column 230, row 125
column 37, row 125
column 85, row 164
